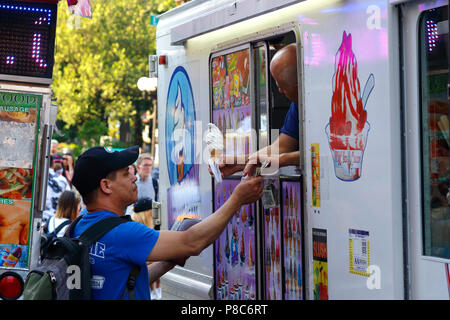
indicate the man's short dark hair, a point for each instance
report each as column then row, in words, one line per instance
column 92, row 196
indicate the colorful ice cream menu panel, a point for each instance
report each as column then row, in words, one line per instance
column 231, row 100
column 272, row 241
column 292, row 235
column 19, row 118
column 234, row 251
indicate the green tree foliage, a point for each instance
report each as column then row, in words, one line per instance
column 98, row 61
column 92, row 130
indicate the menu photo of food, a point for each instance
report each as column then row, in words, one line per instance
column 16, row 183
column 292, row 240
column 18, row 114
column 230, row 76
column 14, row 221
column 272, row 240
column 235, row 259
column 17, row 143
column 14, row 233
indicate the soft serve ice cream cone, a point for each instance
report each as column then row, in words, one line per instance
column 214, row 143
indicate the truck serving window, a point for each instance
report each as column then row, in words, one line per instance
column 261, row 90
column 433, row 52
column 279, row 104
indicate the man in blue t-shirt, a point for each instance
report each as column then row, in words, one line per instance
column 284, row 151
column 107, row 186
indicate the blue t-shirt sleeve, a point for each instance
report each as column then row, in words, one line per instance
column 290, row 126
column 137, row 241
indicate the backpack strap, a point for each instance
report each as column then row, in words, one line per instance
column 131, row 283
column 70, row 229
column 61, row 225
column 99, row 229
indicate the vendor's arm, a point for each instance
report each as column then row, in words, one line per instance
column 284, row 144
column 290, row 159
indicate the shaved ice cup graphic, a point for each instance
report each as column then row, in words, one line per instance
column 348, row 161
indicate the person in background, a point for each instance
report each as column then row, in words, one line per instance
column 58, row 166
column 57, row 184
column 143, row 214
column 54, row 147
column 284, row 151
column 133, row 169
column 107, row 187
column 67, row 210
column 145, row 182
column 68, row 167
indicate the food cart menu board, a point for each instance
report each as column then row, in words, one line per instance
column 272, row 240
column 230, row 76
column 19, row 118
column 234, row 251
column 292, row 235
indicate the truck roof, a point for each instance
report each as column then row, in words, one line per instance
column 198, row 17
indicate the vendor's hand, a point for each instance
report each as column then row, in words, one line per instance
column 248, row 190
column 252, row 164
column 229, row 165
column 256, row 159
column 229, row 169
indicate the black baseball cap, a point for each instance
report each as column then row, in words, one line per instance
column 96, row 163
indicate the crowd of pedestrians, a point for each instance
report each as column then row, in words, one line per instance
column 61, row 173
column 64, row 203
column 61, row 170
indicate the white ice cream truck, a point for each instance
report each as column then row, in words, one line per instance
column 27, row 119
column 365, row 214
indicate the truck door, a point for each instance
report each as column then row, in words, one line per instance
column 425, row 56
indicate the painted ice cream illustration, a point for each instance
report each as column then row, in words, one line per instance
column 180, row 129
column 348, row 128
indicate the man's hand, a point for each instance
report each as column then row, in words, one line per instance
column 253, row 162
column 248, row 191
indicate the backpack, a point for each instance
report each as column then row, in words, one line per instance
column 65, row 271
column 48, row 237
